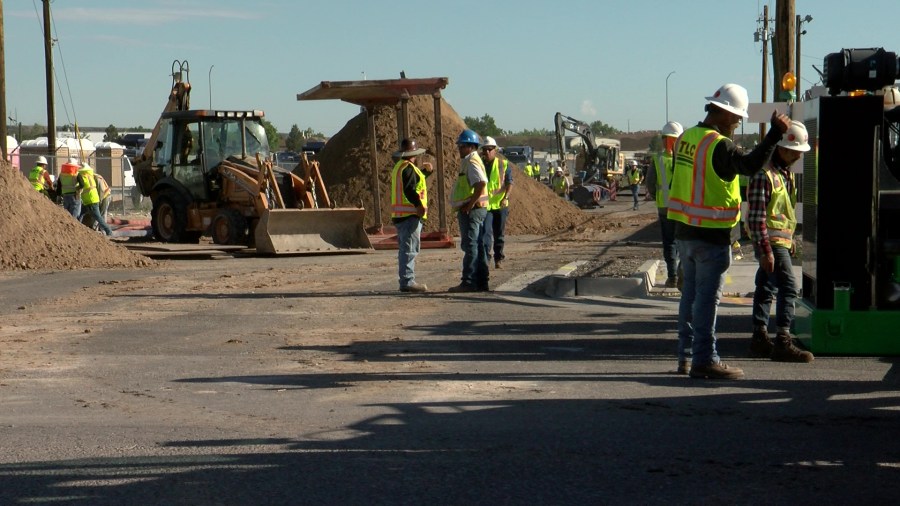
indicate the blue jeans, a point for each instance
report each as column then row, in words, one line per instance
column 634, row 194
column 94, row 210
column 72, row 203
column 409, row 233
column 471, row 232
column 670, row 252
column 780, row 281
column 494, row 227
column 704, row 267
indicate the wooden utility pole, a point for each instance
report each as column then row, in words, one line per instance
column 783, row 54
column 48, row 64
column 765, row 64
column 3, row 147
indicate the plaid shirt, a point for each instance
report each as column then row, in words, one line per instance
column 759, row 193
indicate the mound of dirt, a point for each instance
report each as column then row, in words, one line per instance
column 37, row 234
column 346, row 168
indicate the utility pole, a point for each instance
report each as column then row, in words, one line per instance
column 783, row 54
column 763, row 34
column 48, row 65
column 3, row 147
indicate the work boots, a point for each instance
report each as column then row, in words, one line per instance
column 760, row 344
column 785, row 351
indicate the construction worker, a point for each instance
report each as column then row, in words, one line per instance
column 635, row 178
column 470, row 201
column 772, row 197
column 559, row 183
column 66, row 186
column 499, row 183
column 529, row 170
column 90, row 197
column 40, row 178
column 704, row 200
column 105, row 193
column 658, row 179
column 409, row 209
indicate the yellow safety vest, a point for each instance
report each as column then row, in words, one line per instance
column 662, row 164
column 89, row 194
column 634, row 176
column 780, row 217
column 400, row 205
column 67, row 183
column 496, row 177
column 36, row 178
column 698, row 196
column 463, row 191
column 529, row 171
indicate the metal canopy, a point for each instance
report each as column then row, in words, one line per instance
column 375, row 92
column 391, row 92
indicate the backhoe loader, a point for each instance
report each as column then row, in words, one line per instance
column 208, row 172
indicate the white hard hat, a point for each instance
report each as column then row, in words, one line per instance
column 672, row 129
column 891, row 97
column 489, row 141
column 795, row 138
column 73, row 160
column 41, row 160
column 731, row 97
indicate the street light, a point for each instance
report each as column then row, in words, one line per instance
column 800, row 32
column 209, row 79
column 667, row 95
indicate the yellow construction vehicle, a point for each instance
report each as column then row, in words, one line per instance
column 208, row 172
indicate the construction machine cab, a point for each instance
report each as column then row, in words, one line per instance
column 192, row 144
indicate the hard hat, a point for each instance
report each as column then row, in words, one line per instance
column 408, row 148
column 468, row 137
column 672, row 129
column 795, row 138
column 41, row 161
column 891, row 97
column 731, row 97
column 559, row 169
column 489, row 141
column 73, row 160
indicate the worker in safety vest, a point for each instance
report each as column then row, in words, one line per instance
column 658, row 179
column 66, row 186
column 470, row 201
column 498, row 187
column 40, row 178
column 560, row 183
column 105, row 193
column 529, row 170
column 772, row 197
column 409, row 209
column 90, row 197
column 704, row 200
column 635, row 178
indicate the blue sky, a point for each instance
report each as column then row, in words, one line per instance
column 519, row 61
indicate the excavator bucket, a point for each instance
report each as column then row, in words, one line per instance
column 291, row 231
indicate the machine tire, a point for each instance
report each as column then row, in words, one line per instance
column 229, row 227
column 169, row 219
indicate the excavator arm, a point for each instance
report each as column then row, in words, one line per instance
column 179, row 100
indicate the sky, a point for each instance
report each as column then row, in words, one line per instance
column 627, row 63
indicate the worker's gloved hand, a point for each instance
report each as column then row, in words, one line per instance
column 767, row 262
column 780, row 121
column 427, row 167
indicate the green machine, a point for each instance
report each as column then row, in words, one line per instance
column 850, row 291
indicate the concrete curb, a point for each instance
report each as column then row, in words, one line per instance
column 562, row 284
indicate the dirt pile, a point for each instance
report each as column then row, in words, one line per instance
column 346, row 167
column 37, row 234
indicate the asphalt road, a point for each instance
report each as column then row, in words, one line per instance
column 311, row 380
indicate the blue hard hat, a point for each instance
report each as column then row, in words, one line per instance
column 468, row 137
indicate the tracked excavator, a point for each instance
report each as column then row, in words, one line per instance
column 209, row 172
column 599, row 167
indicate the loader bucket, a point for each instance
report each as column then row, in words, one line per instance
column 288, row 231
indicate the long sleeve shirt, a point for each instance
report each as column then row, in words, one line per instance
column 728, row 162
column 759, row 193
